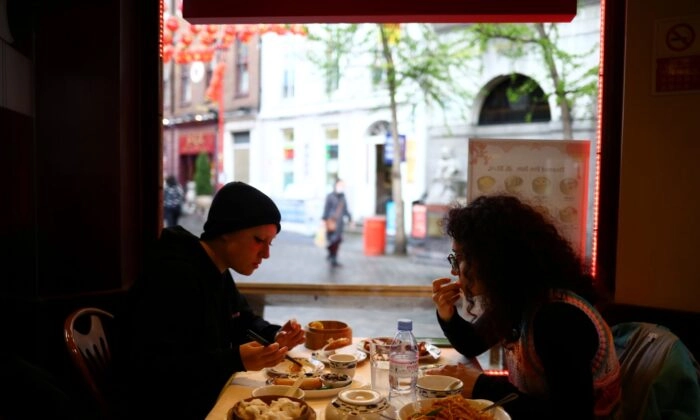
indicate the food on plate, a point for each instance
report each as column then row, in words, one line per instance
column 541, row 185
column 452, row 407
column 568, row 185
column 306, row 384
column 485, row 183
column 568, row 214
column 513, row 184
column 336, row 343
column 335, row 380
column 376, row 340
column 422, row 345
column 281, row 408
column 316, row 324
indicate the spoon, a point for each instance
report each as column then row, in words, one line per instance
column 295, row 385
column 508, row 398
column 453, row 385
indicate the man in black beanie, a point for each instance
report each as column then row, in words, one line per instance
column 183, row 331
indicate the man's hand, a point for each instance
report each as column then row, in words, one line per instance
column 255, row 356
column 290, row 335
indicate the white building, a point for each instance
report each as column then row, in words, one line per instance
column 303, row 137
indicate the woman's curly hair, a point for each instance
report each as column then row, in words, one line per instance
column 517, row 255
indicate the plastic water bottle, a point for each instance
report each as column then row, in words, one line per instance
column 403, row 363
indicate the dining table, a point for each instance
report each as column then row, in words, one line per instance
column 241, row 384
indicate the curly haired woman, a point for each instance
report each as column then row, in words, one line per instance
column 536, row 301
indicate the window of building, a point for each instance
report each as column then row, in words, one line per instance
column 242, row 69
column 516, row 99
column 185, row 85
column 288, row 75
column 377, row 69
column 332, row 156
column 332, row 73
column 241, row 156
column 288, row 159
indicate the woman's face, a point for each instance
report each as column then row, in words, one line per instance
column 467, row 275
column 245, row 249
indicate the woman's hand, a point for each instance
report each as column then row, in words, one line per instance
column 290, row 335
column 445, row 295
column 255, row 356
column 466, row 374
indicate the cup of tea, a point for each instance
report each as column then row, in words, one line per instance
column 343, row 364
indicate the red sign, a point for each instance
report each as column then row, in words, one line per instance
column 194, row 143
column 420, row 221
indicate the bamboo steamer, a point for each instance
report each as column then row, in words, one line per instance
column 318, row 337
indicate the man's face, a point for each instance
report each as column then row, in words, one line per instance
column 245, row 249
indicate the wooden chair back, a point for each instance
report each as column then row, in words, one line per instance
column 88, row 345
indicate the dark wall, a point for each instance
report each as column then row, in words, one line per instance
column 82, row 173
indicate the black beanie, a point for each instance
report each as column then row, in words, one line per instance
column 238, row 206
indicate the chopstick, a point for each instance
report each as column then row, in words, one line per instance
column 260, row 339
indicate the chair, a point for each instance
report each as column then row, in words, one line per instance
column 88, row 346
column 660, row 378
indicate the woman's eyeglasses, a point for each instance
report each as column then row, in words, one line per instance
column 454, row 261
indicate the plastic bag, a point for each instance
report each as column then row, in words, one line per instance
column 320, row 238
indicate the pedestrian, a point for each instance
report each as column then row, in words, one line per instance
column 335, row 211
column 182, row 332
column 536, row 302
column 173, row 198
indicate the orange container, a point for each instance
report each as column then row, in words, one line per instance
column 374, row 235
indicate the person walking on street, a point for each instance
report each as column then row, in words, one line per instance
column 335, row 211
column 173, row 197
column 183, row 328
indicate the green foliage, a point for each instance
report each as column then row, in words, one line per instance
column 569, row 77
column 202, row 175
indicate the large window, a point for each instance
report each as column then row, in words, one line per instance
column 515, row 105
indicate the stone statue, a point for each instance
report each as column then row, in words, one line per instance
column 443, row 188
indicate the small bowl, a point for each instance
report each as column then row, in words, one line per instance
column 438, row 386
column 306, row 412
column 277, row 390
column 333, row 380
column 358, row 404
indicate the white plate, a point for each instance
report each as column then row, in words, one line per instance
column 323, row 357
column 289, row 369
column 425, row 357
column 329, row 392
column 410, row 409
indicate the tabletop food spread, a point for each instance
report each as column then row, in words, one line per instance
column 322, row 388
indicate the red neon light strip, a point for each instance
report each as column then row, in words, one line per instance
column 599, row 132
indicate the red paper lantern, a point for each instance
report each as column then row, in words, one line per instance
column 172, row 23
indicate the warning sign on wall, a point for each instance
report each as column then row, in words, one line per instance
column 677, row 55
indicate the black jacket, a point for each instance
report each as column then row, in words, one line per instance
column 179, row 332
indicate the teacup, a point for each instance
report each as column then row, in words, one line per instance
column 343, row 364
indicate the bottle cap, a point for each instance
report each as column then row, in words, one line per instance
column 405, row 325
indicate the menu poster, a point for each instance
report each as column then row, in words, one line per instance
column 551, row 175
